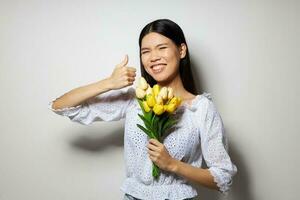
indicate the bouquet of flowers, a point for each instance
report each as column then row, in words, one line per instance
column 158, row 104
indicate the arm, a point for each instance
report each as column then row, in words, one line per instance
column 214, row 147
column 194, row 174
column 159, row 154
column 121, row 77
column 79, row 95
column 100, row 101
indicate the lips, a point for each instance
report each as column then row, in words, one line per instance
column 157, row 68
column 157, row 64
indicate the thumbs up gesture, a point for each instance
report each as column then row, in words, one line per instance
column 122, row 75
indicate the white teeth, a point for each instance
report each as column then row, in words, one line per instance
column 157, row 68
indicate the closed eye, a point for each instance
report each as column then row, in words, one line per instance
column 144, row 52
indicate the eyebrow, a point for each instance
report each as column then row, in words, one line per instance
column 156, row 46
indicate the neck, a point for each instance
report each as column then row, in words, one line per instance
column 176, row 84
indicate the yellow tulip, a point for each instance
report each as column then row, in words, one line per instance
column 140, row 93
column 170, row 108
column 170, row 93
column 150, row 100
column 165, row 107
column 146, row 107
column 158, row 109
column 156, row 89
column 176, row 101
column 143, row 83
column 173, row 100
column 163, row 93
column 159, row 100
column 149, row 90
column 179, row 100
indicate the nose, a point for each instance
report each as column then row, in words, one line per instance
column 154, row 56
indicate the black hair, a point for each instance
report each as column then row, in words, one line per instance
column 172, row 31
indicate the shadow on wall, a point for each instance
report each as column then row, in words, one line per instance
column 87, row 143
column 241, row 181
column 241, row 187
column 199, row 84
column 203, row 193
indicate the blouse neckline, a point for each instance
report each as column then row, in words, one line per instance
column 194, row 102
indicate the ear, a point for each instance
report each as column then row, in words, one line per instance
column 182, row 50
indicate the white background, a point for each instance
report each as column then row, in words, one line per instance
column 245, row 53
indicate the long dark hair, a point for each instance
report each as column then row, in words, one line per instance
column 172, row 31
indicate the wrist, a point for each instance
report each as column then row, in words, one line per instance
column 107, row 83
column 174, row 165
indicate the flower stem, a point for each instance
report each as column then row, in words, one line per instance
column 155, row 171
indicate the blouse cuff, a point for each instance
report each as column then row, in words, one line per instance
column 223, row 181
column 68, row 111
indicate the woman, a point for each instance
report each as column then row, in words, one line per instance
column 199, row 134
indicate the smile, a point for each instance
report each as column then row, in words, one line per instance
column 157, row 68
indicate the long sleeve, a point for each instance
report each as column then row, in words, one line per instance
column 215, row 147
column 109, row 106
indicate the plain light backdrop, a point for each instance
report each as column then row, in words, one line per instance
column 245, row 53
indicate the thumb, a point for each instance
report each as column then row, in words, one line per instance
column 124, row 62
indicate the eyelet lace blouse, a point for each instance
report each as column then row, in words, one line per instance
column 199, row 134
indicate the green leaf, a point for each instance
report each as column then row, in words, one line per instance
column 161, row 124
column 169, row 124
column 155, row 171
column 154, row 126
column 152, row 120
column 159, row 128
column 148, row 115
column 145, row 130
column 141, row 105
column 148, row 132
column 146, row 122
column 156, row 120
column 148, row 126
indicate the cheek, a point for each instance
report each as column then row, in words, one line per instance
column 170, row 55
column 145, row 68
column 144, row 60
column 171, row 58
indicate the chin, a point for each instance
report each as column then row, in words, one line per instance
column 160, row 78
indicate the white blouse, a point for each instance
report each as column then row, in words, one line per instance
column 199, row 134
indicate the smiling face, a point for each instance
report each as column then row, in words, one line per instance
column 161, row 57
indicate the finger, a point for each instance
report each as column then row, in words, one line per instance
column 131, row 74
column 130, row 79
column 131, row 69
column 153, row 153
column 152, row 147
column 124, row 62
column 152, row 158
column 154, row 141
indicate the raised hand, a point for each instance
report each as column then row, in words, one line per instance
column 122, row 75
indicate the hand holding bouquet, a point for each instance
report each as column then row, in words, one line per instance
column 158, row 104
